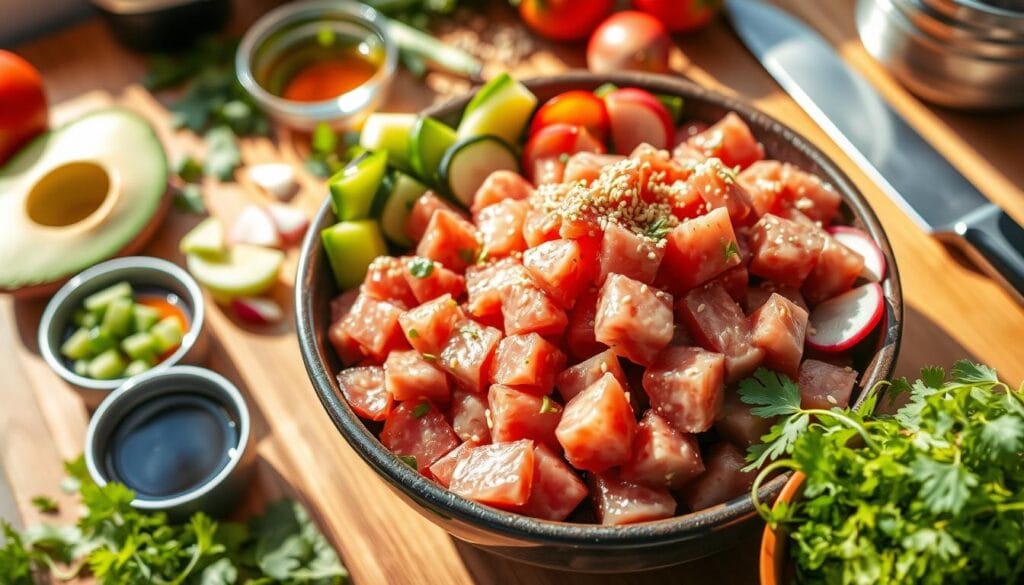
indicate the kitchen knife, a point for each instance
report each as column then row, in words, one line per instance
column 892, row 153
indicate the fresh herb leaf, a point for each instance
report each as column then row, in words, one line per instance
column 222, row 154
column 45, row 504
column 933, row 376
column 547, row 405
column 657, row 229
column 421, row 267
column 189, row 197
column 966, row 372
column 772, row 393
column 429, row 357
column 421, row 409
column 945, row 487
column 409, row 460
column 729, row 250
column 189, row 169
column 412, row 333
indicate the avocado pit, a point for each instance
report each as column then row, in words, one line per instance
column 69, row 194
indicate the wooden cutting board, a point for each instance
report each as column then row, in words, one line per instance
column 952, row 310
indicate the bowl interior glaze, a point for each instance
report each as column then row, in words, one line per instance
column 677, row 539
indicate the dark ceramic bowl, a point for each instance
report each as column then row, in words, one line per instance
column 587, row 547
column 159, row 25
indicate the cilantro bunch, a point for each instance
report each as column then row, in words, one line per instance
column 120, row 545
column 931, row 494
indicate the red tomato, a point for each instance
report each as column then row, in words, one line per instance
column 629, row 40
column 500, row 474
column 577, row 107
column 680, row 15
column 23, row 111
column 638, row 117
column 558, row 139
column 564, row 20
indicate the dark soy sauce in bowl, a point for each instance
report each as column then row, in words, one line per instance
column 171, row 444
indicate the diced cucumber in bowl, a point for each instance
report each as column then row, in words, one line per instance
column 501, row 108
column 350, row 247
column 354, row 187
column 469, row 162
column 427, row 144
column 397, row 207
column 389, row 133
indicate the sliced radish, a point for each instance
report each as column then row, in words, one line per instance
column 255, row 226
column 860, row 242
column 257, row 310
column 637, row 117
column 290, row 222
column 278, row 179
column 842, row 321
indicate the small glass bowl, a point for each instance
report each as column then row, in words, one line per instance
column 297, row 23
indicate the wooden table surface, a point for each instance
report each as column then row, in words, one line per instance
column 952, row 310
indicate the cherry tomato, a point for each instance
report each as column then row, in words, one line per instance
column 680, row 15
column 558, row 139
column 578, row 107
column 629, row 40
column 564, row 20
column 23, row 112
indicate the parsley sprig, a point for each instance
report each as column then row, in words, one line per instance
column 931, row 494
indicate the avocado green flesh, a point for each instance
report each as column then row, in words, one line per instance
column 118, row 140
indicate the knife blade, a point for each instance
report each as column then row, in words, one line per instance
column 852, row 112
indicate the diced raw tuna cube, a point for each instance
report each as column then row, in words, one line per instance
column 717, row 185
column 528, row 309
column 443, row 468
column 807, row 193
column 385, row 281
column 758, row 295
column 825, row 386
column 489, row 283
column 628, row 254
column 597, row 426
column 837, row 268
column 374, row 325
column 586, row 166
column 738, row 424
column 764, row 182
column 729, row 139
column 429, row 281
column 541, row 227
column 527, row 362
column 548, row 171
column 500, row 474
column 778, row 329
column 467, row 354
column 685, row 386
column 662, row 456
column 423, row 210
column 557, row 490
column 501, row 227
column 363, row 389
column 469, row 417
column 579, row 336
column 407, row 376
column 718, row 324
column 698, row 250
column 518, row 415
column 559, row 269
column 450, row 240
column 342, row 304
column 784, row 251
column 500, row 186
column 428, row 326
column 621, row 502
column 735, row 281
column 418, row 429
column 633, row 319
column 576, row 378
column 722, row 480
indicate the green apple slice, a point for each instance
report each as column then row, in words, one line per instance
column 207, row 238
column 390, row 133
column 244, row 270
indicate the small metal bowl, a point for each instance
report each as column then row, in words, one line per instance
column 217, row 495
column 150, row 25
column 296, row 23
column 138, row 270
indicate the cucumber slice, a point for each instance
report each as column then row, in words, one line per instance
column 83, row 318
column 139, row 345
column 144, row 317
column 351, row 246
column 106, row 366
column 244, row 271
column 469, row 162
column 78, row 346
column 353, row 187
column 501, row 108
column 398, row 206
column 205, row 238
column 166, row 334
column 390, row 133
column 136, row 367
column 427, row 145
column 81, row 367
column 100, row 340
column 387, row 184
column 118, row 318
column 99, row 300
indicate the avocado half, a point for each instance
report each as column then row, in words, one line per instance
column 78, row 195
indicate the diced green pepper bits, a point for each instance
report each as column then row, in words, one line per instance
column 136, row 367
column 117, row 319
column 145, row 317
column 167, row 334
column 99, row 300
column 139, row 345
column 107, row 366
column 78, row 346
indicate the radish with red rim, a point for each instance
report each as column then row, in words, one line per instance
column 290, row 222
column 255, row 226
column 843, row 321
column 637, row 117
column 257, row 310
column 861, row 243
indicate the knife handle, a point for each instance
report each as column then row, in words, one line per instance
column 999, row 240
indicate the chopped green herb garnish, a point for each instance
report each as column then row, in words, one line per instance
column 467, row 255
column 605, row 89
column 429, row 357
column 421, row 409
column 189, row 169
column 412, row 333
column 222, row 154
column 471, row 331
column 409, row 460
column 657, row 229
column 189, row 197
column 547, row 405
column 421, row 267
column 45, row 504
column 729, row 249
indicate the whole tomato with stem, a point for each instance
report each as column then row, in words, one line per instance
column 681, row 15
column 23, row 110
column 629, row 40
column 564, row 20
